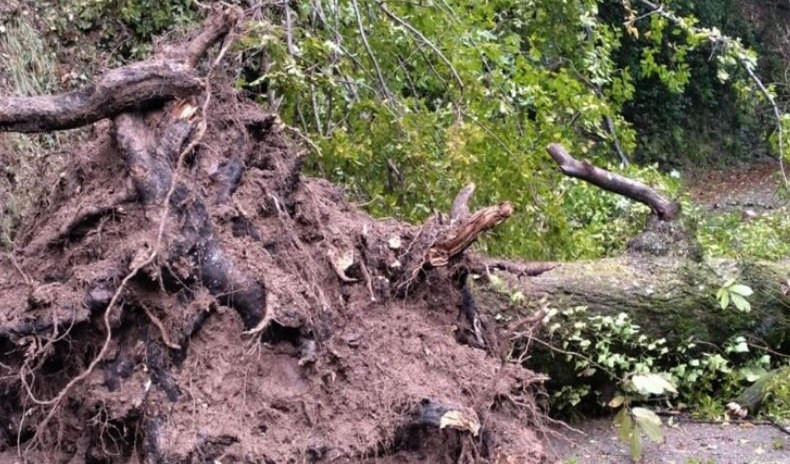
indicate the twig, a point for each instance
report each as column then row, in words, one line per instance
column 25, row 277
column 368, row 281
column 425, row 40
column 571, row 353
column 364, row 37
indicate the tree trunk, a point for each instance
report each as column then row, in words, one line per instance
column 673, row 297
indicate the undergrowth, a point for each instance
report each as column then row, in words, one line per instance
column 28, row 69
column 617, row 349
column 764, row 237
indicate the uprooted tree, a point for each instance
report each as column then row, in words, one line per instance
column 186, row 293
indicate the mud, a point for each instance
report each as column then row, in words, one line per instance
column 341, row 370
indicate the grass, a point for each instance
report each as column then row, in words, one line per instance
column 29, row 68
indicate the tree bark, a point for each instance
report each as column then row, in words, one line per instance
column 663, row 207
column 673, row 298
column 137, row 86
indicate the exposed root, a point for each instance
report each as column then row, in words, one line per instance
column 162, row 331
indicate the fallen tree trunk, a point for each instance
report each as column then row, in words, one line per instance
column 661, row 283
column 673, row 298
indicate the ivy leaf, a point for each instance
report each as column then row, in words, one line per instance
column 741, row 347
column 741, row 303
column 652, row 384
column 649, row 423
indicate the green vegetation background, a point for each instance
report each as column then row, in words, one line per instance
column 404, row 102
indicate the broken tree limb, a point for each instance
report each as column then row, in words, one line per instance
column 663, row 207
column 521, row 269
column 465, row 234
column 213, row 29
column 460, row 209
column 136, row 86
column 443, row 415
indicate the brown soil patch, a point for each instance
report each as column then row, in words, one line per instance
column 344, row 371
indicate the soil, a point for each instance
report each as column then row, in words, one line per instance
column 754, row 187
column 685, row 443
column 344, row 367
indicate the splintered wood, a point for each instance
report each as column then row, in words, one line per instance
column 466, row 233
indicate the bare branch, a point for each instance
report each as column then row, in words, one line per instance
column 664, row 208
column 364, row 37
column 460, row 209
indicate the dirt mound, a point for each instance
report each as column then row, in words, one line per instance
column 187, row 295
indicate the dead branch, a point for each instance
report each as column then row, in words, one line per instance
column 444, row 415
column 528, row 269
column 460, row 209
column 663, row 207
column 217, row 26
column 466, row 233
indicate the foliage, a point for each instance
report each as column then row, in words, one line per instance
column 777, row 398
column 124, row 27
column 735, row 293
column 614, row 349
column 405, row 103
column 632, row 424
column 764, row 237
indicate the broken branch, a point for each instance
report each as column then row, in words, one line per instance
column 663, row 207
column 464, row 235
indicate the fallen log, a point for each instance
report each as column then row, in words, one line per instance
column 668, row 297
column 748, row 403
column 662, row 286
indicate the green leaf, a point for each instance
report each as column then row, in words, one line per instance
column 635, row 445
column 617, row 401
column 624, row 424
column 741, row 303
column 741, row 347
column 740, row 289
column 652, row 384
column 724, row 299
column 649, row 423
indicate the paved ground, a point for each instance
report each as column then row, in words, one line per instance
column 686, row 443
